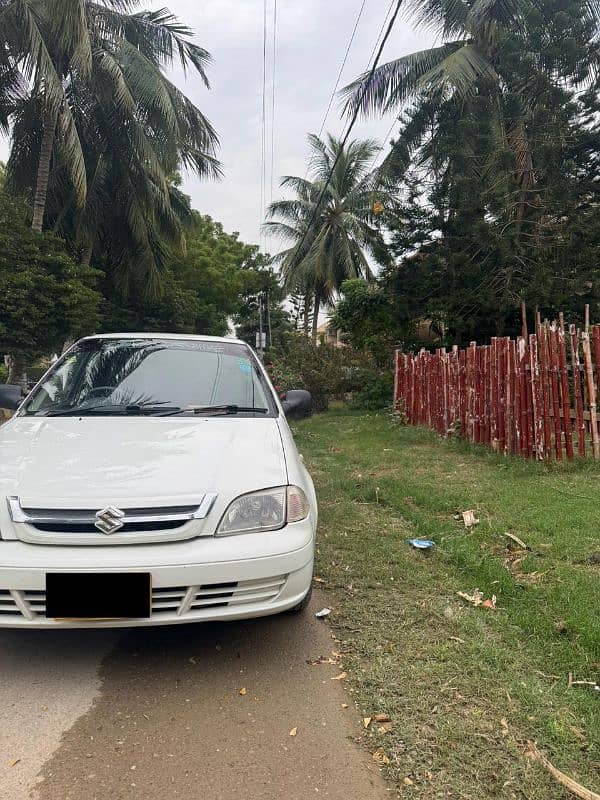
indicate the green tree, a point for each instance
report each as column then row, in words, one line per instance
column 262, row 306
column 497, row 151
column 203, row 286
column 44, row 296
column 333, row 236
column 134, row 129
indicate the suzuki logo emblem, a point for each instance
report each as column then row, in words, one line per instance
column 109, row 520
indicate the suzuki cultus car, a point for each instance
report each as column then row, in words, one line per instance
column 153, row 479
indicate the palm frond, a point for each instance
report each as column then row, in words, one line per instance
column 461, row 70
column 486, row 13
column 397, row 81
column 69, row 33
column 444, row 17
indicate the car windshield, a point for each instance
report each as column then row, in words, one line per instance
column 155, row 376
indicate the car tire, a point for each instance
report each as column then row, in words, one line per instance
column 303, row 604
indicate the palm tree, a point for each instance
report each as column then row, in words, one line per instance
column 330, row 222
column 131, row 127
column 104, row 53
column 470, row 65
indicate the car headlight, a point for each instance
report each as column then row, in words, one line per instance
column 267, row 510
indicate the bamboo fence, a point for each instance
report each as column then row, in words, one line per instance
column 534, row 396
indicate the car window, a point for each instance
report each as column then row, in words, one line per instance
column 112, row 373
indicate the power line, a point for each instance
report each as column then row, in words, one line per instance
column 273, row 85
column 339, row 76
column 363, row 93
column 263, row 136
column 389, row 11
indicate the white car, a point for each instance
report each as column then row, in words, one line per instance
column 153, row 479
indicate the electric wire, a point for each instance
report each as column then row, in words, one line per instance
column 273, row 92
column 341, row 69
column 387, row 16
column 263, row 136
column 367, row 84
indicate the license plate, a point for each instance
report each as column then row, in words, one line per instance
column 95, row 596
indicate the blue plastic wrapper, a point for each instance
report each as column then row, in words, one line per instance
column 421, row 544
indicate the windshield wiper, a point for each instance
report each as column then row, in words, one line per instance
column 134, row 408
column 226, row 410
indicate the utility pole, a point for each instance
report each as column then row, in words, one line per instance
column 260, row 328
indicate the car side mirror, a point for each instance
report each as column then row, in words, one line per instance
column 10, row 396
column 297, row 404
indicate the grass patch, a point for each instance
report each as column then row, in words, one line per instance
column 466, row 687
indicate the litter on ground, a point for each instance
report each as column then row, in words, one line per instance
column 476, row 599
column 421, row 544
column 469, row 518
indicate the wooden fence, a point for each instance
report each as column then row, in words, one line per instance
column 534, row 396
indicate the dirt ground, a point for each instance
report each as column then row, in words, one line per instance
column 189, row 711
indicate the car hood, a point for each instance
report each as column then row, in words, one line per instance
column 77, row 462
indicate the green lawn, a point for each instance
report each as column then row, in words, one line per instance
column 466, row 687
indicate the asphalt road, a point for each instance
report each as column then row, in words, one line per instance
column 157, row 713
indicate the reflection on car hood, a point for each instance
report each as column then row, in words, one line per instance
column 62, row 462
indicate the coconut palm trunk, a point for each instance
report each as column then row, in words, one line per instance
column 43, row 171
column 306, row 314
column 86, row 254
column 17, row 370
column 315, row 320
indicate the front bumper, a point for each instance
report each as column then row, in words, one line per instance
column 229, row 578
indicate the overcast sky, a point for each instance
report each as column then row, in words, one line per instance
column 312, row 36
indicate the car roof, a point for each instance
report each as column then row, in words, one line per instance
column 187, row 336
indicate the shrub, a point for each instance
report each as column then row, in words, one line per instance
column 375, row 390
column 302, row 364
column 329, row 372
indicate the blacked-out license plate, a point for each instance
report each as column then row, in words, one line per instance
column 106, row 595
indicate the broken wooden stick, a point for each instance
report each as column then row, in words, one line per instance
column 575, row 788
column 573, row 682
column 518, row 541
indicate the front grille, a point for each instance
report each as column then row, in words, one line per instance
column 7, row 604
column 109, row 524
column 83, row 521
column 128, row 527
column 172, row 601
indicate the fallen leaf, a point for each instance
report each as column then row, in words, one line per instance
column 294, row 732
column 504, row 724
column 321, row 660
column 243, row 691
column 560, row 627
column 366, row 722
column 381, row 717
column 408, row 782
column 317, row 579
column 344, row 705
column 340, row 677
column 14, row 762
column 475, row 599
column 387, row 727
column 380, row 757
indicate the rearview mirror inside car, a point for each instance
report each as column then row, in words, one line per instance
column 10, row 396
column 297, row 404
